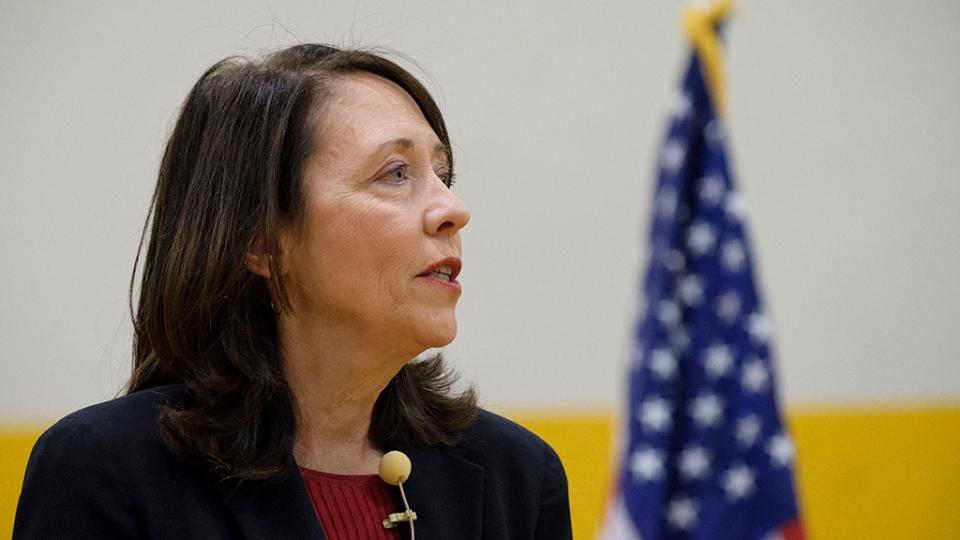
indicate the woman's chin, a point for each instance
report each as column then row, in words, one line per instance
column 439, row 335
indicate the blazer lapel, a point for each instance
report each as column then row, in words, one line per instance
column 446, row 492
column 280, row 509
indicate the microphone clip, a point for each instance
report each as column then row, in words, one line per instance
column 399, row 517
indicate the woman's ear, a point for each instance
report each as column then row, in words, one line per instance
column 257, row 259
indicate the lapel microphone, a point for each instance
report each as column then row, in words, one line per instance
column 395, row 470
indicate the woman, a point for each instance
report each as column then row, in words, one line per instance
column 304, row 247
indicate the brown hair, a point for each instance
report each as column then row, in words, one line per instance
column 231, row 172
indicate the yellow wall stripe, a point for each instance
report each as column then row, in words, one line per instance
column 863, row 473
column 885, row 473
column 16, row 442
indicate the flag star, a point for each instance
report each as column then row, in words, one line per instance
column 706, row 410
column 668, row 312
column 672, row 156
column 666, row 203
column 694, row 463
column 674, row 261
column 679, row 340
column 663, row 363
column 718, row 361
column 748, row 430
column 655, row 414
column 701, row 238
column 728, row 306
column 738, row 482
column 646, row 464
column 680, row 105
column 690, row 289
column 713, row 132
column 780, row 449
column 712, row 189
column 733, row 255
column 682, row 513
column 755, row 376
column 760, row 327
column 734, row 206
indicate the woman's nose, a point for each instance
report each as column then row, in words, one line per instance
column 446, row 213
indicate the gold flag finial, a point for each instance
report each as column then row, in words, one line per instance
column 700, row 24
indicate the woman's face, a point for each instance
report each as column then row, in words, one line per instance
column 378, row 220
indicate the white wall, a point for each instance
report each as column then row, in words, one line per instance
column 844, row 128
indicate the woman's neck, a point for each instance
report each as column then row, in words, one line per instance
column 335, row 379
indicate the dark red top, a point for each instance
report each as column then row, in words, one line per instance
column 351, row 506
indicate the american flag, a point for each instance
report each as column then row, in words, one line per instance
column 706, row 453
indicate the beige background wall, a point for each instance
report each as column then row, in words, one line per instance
column 844, row 129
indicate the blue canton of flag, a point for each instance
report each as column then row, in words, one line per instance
column 707, row 455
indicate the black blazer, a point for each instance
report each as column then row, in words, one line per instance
column 104, row 472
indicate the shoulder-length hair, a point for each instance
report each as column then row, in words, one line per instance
column 232, row 173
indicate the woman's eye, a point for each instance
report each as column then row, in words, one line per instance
column 397, row 175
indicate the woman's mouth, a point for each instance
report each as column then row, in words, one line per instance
column 444, row 269
column 444, row 272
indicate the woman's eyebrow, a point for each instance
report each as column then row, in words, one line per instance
column 440, row 148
